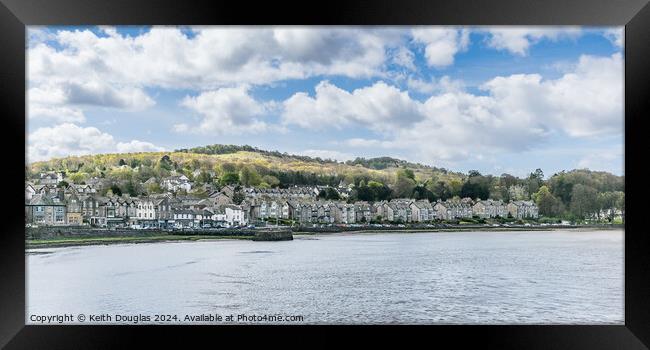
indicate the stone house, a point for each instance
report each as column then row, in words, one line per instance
column 154, row 211
column 343, row 213
column 422, row 211
column 45, row 210
column 523, row 209
column 489, row 208
column 363, row 212
column 74, row 215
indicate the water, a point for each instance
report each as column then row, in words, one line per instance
column 556, row 277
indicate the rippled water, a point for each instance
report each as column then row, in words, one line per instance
column 557, row 277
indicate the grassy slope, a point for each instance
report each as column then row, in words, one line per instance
column 241, row 157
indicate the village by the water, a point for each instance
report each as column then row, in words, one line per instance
column 48, row 203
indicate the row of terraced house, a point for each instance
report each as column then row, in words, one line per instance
column 396, row 210
column 82, row 205
column 48, row 204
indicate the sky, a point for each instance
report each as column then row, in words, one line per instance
column 498, row 99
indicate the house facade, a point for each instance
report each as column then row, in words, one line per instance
column 523, row 209
column 45, row 210
column 490, row 209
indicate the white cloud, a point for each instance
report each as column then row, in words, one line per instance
column 589, row 101
column 225, row 110
column 378, row 107
column 432, row 86
column 88, row 93
column 214, row 56
column 360, row 142
column 516, row 112
column 405, row 58
column 441, row 44
column 69, row 139
column 517, row 40
column 616, row 36
column 603, row 160
column 98, row 94
column 56, row 114
column 137, row 146
column 112, row 70
column 328, row 154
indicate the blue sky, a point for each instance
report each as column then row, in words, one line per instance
column 495, row 99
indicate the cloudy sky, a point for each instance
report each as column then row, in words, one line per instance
column 495, row 99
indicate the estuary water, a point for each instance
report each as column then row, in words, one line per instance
column 538, row 277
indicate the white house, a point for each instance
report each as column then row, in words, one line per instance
column 29, row 191
column 235, row 215
column 176, row 183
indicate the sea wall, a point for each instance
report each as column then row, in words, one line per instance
column 48, row 232
column 273, row 236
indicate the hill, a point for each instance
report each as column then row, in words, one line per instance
column 223, row 158
column 574, row 193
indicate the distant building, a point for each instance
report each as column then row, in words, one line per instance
column 422, row 211
column 454, row 209
column 51, row 178
column 45, row 210
column 235, row 215
column 523, row 209
column 154, row 211
column 176, row 183
column 490, row 208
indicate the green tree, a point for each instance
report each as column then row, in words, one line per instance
column 204, row 177
column 329, row 193
column 78, row 177
column 135, row 163
column 404, row 183
column 248, row 176
column 547, row 203
column 609, row 202
column 620, row 204
column 271, row 180
column 115, row 189
column 379, row 191
column 165, row 163
column 440, row 189
column 132, row 188
column 226, row 167
column 455, row 185
column 229, row 179
column 477, row 186
column 154, row 188
column 535, row 180
column 422, row 192
column 584, row 201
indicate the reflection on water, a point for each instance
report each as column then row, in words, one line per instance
column 456, row 277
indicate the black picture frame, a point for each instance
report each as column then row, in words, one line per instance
column 634, row 14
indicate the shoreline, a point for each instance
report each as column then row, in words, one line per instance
column 95, row 241
column 466, row 229
column 169, row 238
